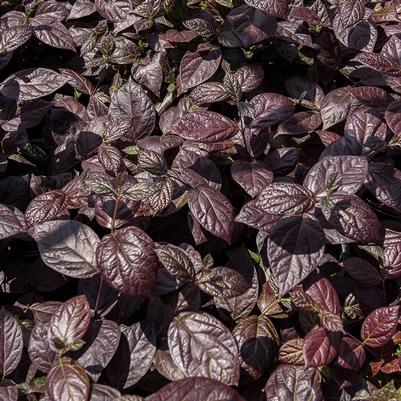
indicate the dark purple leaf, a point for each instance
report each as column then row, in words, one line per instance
column 351, row 354
column 200, row 345
column 67, row 381
column 197, row 67
column 289, row 381
column 294, row 249
column 213, row 211
column 204, row 126
column 196, row 389
column 339, row 174
column 32, row 83
column 320, row 347
column 69, row 323
column 253, row 177
column 285, row 199
column 128, row 261
column 379, row 326
column 68, row 247
column 11, row 344
column 270, row 108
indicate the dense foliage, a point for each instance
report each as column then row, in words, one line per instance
column 200, row 200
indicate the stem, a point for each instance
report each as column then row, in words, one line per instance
column 113, row 221
column 98, row 295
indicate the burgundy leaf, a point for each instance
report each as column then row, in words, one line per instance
column 285, row 199
column 351, row 354
column 69, row 323
column 269, row 109
column 67, row 381
column 213, row 211
column 196, row 389
column 32, row 83
column 197, row 67
column 340, row 174
column 379, row 326
column 253, row 177
column 68, row 247
column 200, row 345
column 11, row 222
column 278, row 8
column 128, row 261
column 320, row 347
column 294, row 249
column 204, row 126
column 290, row 381
column 12, row 343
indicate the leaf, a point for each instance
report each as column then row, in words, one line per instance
column 249, row 77
column 11, row 222
column 270, row 109
column 322, row 292
column 195, row 389
column 101, row 392
column 278, row 8
column 101, row 342
column 294, row 249
column 253, row 177
column 294, row 382
column 68, row 247
column 78, row 81
column 67, row 381
column 379, row 326
column 110, row 158
column 351, row 354
column 387, row 393
column 339, row 174
column 32, row 83
column 14, row 37
column 320, row 347
column 351, row 12
column 286, row 199
column 52, row 32
column 300, row 123
column 11, row 344
column 364, row 273
column 209, row 92
column 291, row 352
column 213, row 211
column 46, row 206
column 69, row 323
column 133, row 104
column 335, row 106
column 40, row 353
column 176, row 261
column 379, row 63
column 128, row 262
column 197, row 67
column 133, row 357
column 257, row 341
column 221, row 281
column 200, row 345
column 204, row 126
column 353, row 218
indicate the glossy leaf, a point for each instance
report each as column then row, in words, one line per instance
column 379, row 326
column 11, row 344
column 202, row 346
column 213, row 211
column 69, row 323
column 294, row 249
column 68, row 247
column 67, row 381
column 128, row 261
